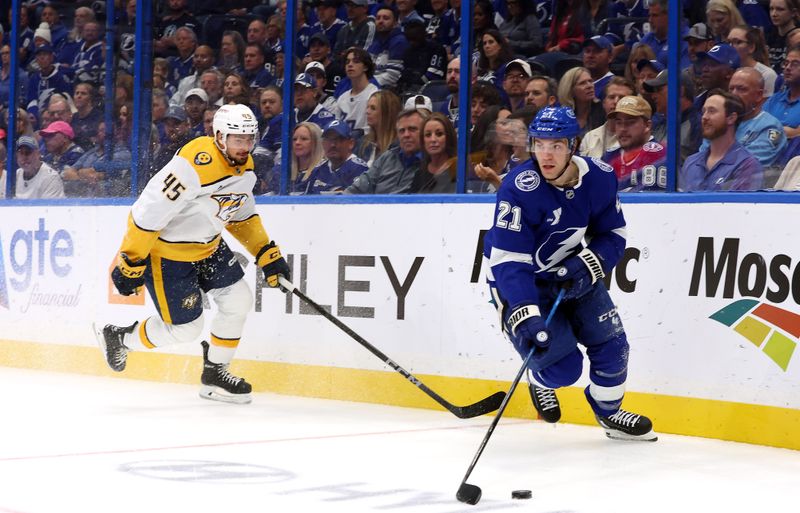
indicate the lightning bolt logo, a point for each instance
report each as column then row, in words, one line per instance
column 558, row 246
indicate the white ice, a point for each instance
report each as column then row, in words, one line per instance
column 87, row 444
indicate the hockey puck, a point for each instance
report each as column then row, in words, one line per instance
column 521, row 494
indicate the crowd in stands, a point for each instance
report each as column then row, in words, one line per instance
column 376, row 91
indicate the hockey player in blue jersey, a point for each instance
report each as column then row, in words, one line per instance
column 558, row 224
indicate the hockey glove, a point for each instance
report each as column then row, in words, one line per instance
column 527, row 329
column 128, row 276
column 269, row 259
column 579, row 274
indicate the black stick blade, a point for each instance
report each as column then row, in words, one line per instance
column 482, row 407
column 469, row 494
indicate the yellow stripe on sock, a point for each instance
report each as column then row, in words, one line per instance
column 143, row 336
column 231, row 343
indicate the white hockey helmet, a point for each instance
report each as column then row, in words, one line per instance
column 234, row 119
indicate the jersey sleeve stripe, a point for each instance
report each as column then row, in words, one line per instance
column 500, row 256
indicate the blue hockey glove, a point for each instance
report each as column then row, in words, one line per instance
column 579, row 274
column 128, row 276
column 527, row 329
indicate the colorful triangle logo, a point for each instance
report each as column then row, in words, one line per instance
column 773, row 330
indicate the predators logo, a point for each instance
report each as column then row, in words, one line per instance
column 202, row 158
column 228, row 204
column 190, row 301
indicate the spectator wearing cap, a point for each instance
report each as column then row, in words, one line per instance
column 785, row 104
column 647, row 69
column 177, row 15
column 516, row 76
column 449, row 106
column 60, row 149
column 351, row 106
column 749, row 42
column 419, row 101
column 202, row 61
column 271, row 107
column 785, row 16
column 195, row 105
column 759, row 132
column 182, row 64
column 94, row 175
column 87, row 116
column 177, row 129
column 521, row 28
column 698, row 39
column 442, row 25
column 35, row 178
column 716, row 68
column 388, row 48
column 306, row 106
column 423, row 60
column 254, row 71
column 358, row 32
column 639, row 162
column 48, row 80
column 393, row 172
column 328, row 23
column 597, row 56
column 724, row 165
column 319, row 50
column 541, row 92
column 317, row 72
column 603, row 139
column 340, row 167
column 88, row 64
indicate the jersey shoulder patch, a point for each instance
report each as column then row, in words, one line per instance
column 203, row 158
column 652, row 147
column 527, row 180
column 602, row 165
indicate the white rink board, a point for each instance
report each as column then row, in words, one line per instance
column 448, row 327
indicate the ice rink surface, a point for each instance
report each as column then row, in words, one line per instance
column 92, row 444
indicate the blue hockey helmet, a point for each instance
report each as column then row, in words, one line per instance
column 554, row 123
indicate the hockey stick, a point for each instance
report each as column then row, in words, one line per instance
column 486, row 405
column 469, row 493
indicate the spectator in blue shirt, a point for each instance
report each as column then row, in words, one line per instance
column 95, row 175
column 61, row 150
column 725, row 165
column 89, row 64
column 341, row 166
column 307, row 107
column 784, row 104
column 597, row 57
column 328, row 22
column 388, row 48
column 44, row 83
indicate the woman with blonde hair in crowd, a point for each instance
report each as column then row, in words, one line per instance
column 306, row 155
column 576, row 90
column 382, row 109
column 437, row 173
column 721, row 17
column 749, row 43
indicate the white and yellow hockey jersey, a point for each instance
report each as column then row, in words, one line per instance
column 184, row 207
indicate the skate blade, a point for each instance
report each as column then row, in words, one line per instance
column 217, row 394
column 619, row 435
column 101, row 341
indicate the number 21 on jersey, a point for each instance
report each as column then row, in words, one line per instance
column 504, row 208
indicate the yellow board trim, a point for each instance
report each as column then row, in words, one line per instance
column 739, row 422
column 158, row 286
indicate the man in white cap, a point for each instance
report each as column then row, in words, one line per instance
column 35, row 179
column 195, row 105
column 317, row 71
column 419, row 101
column 515, row 78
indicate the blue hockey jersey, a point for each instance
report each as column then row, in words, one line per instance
column 537, row 226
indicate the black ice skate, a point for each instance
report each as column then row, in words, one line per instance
column 110, row 341
column 546, row 403
column 625, row 425
column 221, row 385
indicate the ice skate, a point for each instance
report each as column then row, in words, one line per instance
column 546, row 403
column 110, row 339
column 625, row 425
column 221, row 385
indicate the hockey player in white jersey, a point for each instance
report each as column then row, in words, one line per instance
column 558, row 224
column 173, row 246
